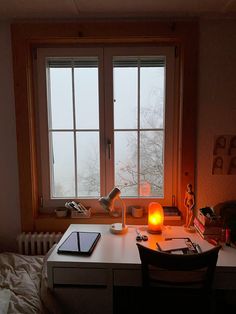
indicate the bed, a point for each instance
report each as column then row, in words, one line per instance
column 23, row 285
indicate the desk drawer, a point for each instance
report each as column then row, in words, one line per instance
column 84, row 300
column 127, row 277
column 80, row 276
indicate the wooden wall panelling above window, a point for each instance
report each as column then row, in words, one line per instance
column 26, row 37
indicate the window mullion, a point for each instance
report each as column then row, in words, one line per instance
column 102, row 119
column 109, row 120
column 50, row 136
column 138, row 135
column 74, row 129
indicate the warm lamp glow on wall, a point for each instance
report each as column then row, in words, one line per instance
column 155, row 218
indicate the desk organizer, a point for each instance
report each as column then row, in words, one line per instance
column 77, row 214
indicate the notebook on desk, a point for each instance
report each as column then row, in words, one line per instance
column 177, row 246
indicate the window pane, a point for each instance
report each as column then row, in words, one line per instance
column 62, row 164
column 86, row 98
column 152, row 96
column 60, row 93
column 151, row 163
column 125, row 97
column 136, row 174
column 126, row 170
column 88, row 163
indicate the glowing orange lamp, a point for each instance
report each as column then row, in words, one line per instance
column 155, row 218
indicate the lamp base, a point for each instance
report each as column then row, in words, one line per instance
column 118, row 228
column 154, row 231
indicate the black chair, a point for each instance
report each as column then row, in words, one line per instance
column 180, row 282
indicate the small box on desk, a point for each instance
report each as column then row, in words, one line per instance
column 77, row 214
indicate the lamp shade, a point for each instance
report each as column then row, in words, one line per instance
column 155, row 218
column 107, row 202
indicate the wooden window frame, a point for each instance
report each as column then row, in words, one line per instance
column 27, row 37
column 107, row 169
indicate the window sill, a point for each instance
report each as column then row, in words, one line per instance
column 50, row 223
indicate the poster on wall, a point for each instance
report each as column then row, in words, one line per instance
column 224, row 155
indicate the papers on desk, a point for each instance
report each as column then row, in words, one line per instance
column 178, row 246
column 172, row 245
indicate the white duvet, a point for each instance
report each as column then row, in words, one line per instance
column 20, row 278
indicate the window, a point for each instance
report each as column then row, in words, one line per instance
column 27, row 41
column 106, row 118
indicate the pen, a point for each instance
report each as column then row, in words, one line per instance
column 158, row 246
column 198, row 248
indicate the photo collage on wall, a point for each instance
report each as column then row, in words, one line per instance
column 224, row 155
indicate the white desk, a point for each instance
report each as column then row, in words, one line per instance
column 86, row 283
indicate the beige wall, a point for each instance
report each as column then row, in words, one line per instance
column 216, row 115
column 9, row 199
column 217, row 107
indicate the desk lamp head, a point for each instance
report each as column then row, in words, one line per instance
column 107, row 202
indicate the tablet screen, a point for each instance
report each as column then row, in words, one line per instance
column 82, row 243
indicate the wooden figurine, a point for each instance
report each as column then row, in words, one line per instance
column 189, row 202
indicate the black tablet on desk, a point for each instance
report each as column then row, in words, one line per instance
column 79, row 243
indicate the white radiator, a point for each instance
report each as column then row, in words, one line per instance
column 37, row 243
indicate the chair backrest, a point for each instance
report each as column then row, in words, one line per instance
column 174, row 270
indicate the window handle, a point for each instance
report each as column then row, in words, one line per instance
column 109, row 149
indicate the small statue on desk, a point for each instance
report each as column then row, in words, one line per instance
column 189, row 202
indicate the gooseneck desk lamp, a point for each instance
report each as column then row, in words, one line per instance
column 107, row 203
